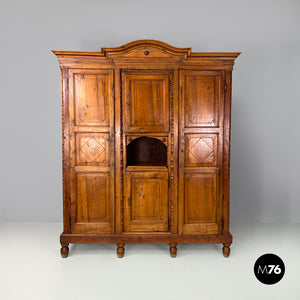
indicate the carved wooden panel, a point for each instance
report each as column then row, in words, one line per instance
column 92, row 149
column 201, row 96
column 201, row 203
column 201, row 150
column 91, row 94
column 146, row 201
column 146, row 102
column 92, row 197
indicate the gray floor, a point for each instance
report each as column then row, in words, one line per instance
column 31, row 266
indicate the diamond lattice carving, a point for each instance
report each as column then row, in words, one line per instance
column 92, row 150
column 201, row 150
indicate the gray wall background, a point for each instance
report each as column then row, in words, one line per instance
column 265, row 161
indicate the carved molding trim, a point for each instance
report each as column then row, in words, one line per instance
column 122, row 173
column 137, row 51
column 132, row 137
column 164, row 47
column 172, row 152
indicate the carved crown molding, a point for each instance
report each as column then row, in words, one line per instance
column 146, row 48
column 139, row 51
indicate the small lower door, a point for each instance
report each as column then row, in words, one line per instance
column 146, row 201
column 201, row 205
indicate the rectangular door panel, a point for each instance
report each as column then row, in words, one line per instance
column 92, row 197
column 200, row 198
column 201, row 203
column 92, row 149
column 92, row 203
column 146, row 102
column 201, row 150
column 201, row 96
column 146, row 201
column 91, row 99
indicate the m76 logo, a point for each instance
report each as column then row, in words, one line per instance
column 269, row 269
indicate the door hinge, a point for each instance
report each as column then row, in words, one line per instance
column 68, row 83
column 70, row 221
column 222, row 222
column 225, row 86
column 129, row 201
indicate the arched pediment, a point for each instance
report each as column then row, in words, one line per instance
column 146, row 49
column 148, row 54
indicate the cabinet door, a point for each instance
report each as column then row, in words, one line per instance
column 91, row 109
column 201, row 207
column 146, row 201
column 200, row 158
column 146, row 100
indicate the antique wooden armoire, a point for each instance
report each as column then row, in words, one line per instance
column 146, row 143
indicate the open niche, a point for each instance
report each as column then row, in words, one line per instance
column 146, row 151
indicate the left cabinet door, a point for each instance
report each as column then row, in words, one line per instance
column 91, row 159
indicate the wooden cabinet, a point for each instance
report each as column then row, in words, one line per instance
column 146, row 143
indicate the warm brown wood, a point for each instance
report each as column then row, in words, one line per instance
column 145, row 238
column 201, row 150
column 91, row 150
column 90, row 99
column 146, row 99
column 66, row 151
column 226, row 154
column 226, row 250
column 146, row 143
column 201, row 201
column 146, row 201
column 173, row 156
column 64, row 251
column 119, row 212
column 201, row 94
column 200, row 159
column 173, row 250
column 120, row 250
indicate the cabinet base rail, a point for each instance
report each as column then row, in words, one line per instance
column 122, row 239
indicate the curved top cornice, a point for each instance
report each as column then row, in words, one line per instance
column 138, row 49
column 132, row 49
column 145, row 51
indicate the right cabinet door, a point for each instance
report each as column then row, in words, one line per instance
column 201, row 114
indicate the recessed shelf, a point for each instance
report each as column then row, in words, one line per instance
column 146, row 151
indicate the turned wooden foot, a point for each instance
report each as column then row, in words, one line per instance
column 226, row 250
column 173, row 250
column 120, row 250
column 64, row 251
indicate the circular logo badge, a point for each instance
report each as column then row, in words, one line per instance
column 269, row 268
